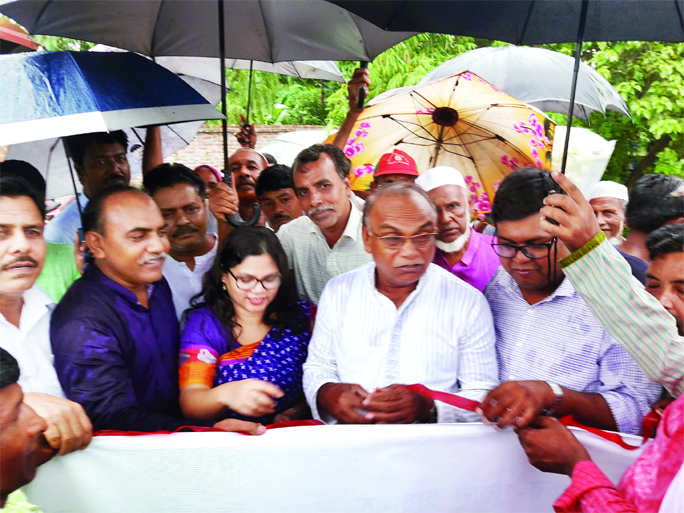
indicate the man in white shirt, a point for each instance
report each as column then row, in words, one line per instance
column 399, row 320
column 179, row 193
column 25, row 311
column 327, row 241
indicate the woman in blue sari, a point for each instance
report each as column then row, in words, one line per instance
column 245, row 341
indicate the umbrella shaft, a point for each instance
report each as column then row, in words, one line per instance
column 222, row 54
column 578, row 56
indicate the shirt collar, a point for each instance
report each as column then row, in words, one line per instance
column 36, row 304
column 565, row 289
column 427, row 276
column 352, row 228
column 473, row 247
column 93, row 273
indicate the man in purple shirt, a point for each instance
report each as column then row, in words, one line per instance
column 460, row 249
column 115, row 335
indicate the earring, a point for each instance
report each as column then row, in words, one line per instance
column 224, row 286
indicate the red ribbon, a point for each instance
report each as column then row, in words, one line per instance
column 649, row 423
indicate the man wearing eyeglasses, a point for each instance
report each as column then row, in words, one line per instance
column 396, row 321
column 554, row 357
column 460, row 250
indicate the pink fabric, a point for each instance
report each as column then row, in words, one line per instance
column 479, row 262
column 216, row 173
column 645, row 482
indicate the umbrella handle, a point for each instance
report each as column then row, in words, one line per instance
column 362, row 91
column 231, row 220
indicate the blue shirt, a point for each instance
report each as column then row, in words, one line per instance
column 63, row 227
column 115, row 357
column 559, row 340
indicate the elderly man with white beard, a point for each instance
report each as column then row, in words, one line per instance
column 461, row 250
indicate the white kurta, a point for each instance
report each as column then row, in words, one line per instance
column 186, row 283
column 30, row 343
column 442, row 336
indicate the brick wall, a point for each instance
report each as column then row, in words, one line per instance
column 207, row 146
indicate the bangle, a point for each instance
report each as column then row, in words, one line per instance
column 293, row 410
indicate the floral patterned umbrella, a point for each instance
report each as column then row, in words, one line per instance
column 461, row 121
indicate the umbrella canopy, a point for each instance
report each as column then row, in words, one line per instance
column 529, row 22
column 14, row 38
column 55, row 94
column 49, row 156
column 208, row 68
column 536, row 76
column 462, row 122
column 257, row 30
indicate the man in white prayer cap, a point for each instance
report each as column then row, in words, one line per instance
column 609, row 201
column 460, row 250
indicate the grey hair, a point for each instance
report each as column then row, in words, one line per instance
column 396, row 189
column 623, row 204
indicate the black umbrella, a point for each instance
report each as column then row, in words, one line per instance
column 531, row 22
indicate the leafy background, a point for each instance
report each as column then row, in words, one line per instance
column 649, row 76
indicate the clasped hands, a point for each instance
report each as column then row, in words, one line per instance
column 395, row 404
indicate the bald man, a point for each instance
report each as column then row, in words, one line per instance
column 246, row 164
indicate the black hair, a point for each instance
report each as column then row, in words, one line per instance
column 665, row 240
column 26, row 171
column 170, row 175
column 9, row 369
column 238, row 245
column 93, row 215
column 395, row 189
column 651, row 203
column 521, row 194
column 13, row 186
column 270, row 159
column 313, row 153
column 274, row 178
column 78, row 144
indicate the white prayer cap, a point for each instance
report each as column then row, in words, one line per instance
column 438, row 176
column 607, row 189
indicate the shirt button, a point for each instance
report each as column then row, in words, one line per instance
column 529, row 310
column 519, row 344
column 511, row 377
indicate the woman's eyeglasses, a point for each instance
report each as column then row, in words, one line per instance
column 248, row 282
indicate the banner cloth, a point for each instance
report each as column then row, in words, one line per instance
column 467, row 468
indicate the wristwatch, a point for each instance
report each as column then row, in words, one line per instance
column 558, row 393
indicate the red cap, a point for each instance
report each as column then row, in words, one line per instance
column 397, row 162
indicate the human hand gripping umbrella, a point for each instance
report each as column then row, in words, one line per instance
column 462, row 122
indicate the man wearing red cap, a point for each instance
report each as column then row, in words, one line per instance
column 394, row 167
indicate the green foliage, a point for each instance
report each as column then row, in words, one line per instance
column 56, row 44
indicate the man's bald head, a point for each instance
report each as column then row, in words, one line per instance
column 246, row 165
column 95, row 212
column 399, row 225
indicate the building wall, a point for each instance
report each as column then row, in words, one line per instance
column 207, row 146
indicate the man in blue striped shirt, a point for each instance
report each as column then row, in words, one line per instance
column 554, row 357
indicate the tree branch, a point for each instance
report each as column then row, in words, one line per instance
column 648, row 160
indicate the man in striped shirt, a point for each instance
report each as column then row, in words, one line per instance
column 553, row 354
column 397, row 321
column 650, row 328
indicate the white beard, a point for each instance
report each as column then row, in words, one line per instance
column 618, row 239
column 455, row 246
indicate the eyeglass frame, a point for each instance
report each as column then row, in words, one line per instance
column 548, row 245
column 404, row 238
column 261, row 281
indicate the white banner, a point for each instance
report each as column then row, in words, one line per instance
column 464, row 468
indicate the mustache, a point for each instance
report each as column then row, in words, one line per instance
column 317, row 210
column 245, row 180
column 20, row 260
column 183, row 230
column 153, row 258
column 278, row 217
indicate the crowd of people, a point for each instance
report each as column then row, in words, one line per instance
column 150, row 312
